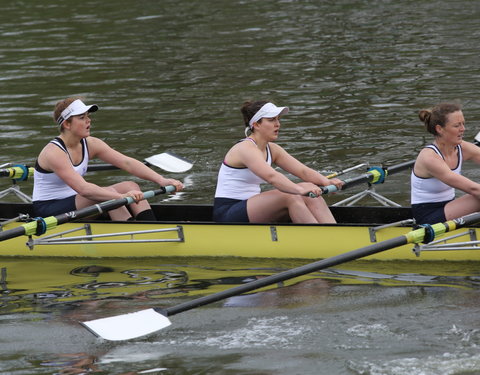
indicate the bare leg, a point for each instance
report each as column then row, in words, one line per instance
column 121, row 213
column 274, row 205
column 125, row 187
column 319, row 208
column 464, row 205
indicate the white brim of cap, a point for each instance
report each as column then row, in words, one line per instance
column 77, row 107
column 269, row 110
column 279, row 111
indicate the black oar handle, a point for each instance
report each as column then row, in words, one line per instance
column 106, row 167
column 51, row 222
column 108, row 206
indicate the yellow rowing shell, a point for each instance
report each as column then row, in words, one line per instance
column 131, row 239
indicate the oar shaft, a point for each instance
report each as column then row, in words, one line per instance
column 103, row 207
column 400, row 167
column 51, row 222
column 338, row 173
column 415, row 236
column 367, row 177
column 128, row 326
column 12, row 172
column 105, row 167
column 167, row 161
column 286, row 275
column 18, row 172
column 12, row 233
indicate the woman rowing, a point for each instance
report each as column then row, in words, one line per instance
column 437, row 170
column 59, row 185
column 238, row 196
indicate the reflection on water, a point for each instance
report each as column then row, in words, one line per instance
column 355, row 306
column 36, row 285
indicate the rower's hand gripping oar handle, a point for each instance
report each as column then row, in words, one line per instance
column 325, row 190
column 151, row 193
column 329, row 189
column 375, row 175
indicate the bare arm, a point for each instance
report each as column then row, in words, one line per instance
column 56, row 160
column 430, row 164
column 246, row 154
column 290, row 164
column 103, row 151
column 471, row 152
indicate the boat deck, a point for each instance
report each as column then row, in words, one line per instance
column 363, row 215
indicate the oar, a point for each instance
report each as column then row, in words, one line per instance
column 129, row 326
column 338, row 173
column 476, row 140
column 18, row 172
column 41, row 225
column 375, row 175
column 167, row 161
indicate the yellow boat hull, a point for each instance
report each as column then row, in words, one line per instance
column 125, row 240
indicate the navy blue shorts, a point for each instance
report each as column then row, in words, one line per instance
column 54, row 206
column 227, row 210
column 429, row 213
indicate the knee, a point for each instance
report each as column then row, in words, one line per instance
column 293, row 199
column 316, row 200
column 125, row 186
column 317, row 203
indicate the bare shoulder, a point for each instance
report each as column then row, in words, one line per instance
column 94, row 141
column 429, row 154
column 243, row 146
column 51, row 156
column 275, row 147
column 470, row 151
column 427, row 161
column 468, row 147
column 51, row 150
column 96, row 146
column 240, row 152
column 279, row 154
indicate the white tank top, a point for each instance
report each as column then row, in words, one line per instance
column 47, row 185
column 239, row 183
column 429, row 190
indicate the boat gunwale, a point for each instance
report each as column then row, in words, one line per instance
column 202, row 214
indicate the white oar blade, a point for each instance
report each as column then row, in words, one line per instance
column 128, row 326
column 169, row 162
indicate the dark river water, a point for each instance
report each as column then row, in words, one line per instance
column 171, row 76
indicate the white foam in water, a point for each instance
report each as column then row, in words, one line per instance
column 278, row 332
column 370, row 330
column 468, row 337
column 446, row 364
column 135, row 352
column 259, row 332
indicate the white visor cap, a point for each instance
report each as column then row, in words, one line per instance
column 268, row 110
column 77, row 107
